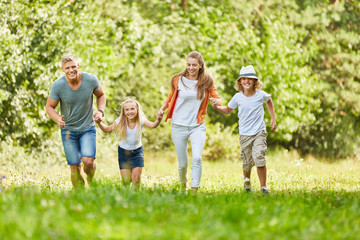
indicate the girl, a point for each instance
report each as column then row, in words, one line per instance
column 187, row 103
column 252, row 127
column 130, row 151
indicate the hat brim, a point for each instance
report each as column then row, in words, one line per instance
column 248, row 76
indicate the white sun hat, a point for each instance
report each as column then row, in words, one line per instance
column 248, row 72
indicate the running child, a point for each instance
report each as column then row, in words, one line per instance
column 252, row 129
column 130, row 151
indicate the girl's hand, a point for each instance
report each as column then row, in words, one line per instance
column 159, row 115
column 98, row 120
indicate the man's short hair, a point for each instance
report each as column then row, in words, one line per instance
column 67, row 58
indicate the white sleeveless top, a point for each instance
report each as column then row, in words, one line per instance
column 131, row 142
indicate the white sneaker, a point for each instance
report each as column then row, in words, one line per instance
column 264, row 190
column 247, row 187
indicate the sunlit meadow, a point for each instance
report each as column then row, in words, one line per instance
column 309, row 199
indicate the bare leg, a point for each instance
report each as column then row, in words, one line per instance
column 261, row 171
column 247, row 183
column 89, row 168
column 76, row 178
column 126, row 176
column 247, row 175
column 136, row 177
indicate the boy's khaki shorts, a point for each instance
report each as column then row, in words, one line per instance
column 253, row 150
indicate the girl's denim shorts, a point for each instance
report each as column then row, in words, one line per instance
column 130, row 158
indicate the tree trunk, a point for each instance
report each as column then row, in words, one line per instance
column 184, row 4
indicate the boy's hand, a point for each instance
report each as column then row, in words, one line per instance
column 215, row 102
column 273, row 124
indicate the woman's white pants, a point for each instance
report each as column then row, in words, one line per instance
column 180, row 135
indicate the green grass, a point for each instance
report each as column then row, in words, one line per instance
column 309, row 199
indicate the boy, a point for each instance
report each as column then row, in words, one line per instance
column 252, row 129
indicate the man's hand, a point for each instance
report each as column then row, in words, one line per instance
column 61, row 122
column 98, row 117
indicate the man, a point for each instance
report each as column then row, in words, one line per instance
column 75, row 92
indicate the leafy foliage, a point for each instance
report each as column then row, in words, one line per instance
column 305, row 52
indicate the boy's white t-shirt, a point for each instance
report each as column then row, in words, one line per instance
column 187, row 105
column 251, row 111
column 131, row 142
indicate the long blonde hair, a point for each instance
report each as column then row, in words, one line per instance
column 121, row 127
column 205, row 82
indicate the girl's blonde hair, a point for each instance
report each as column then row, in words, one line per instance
column 205, row 82
column 121, row 127
column 239, row 87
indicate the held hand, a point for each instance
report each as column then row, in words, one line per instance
column 273, row 124
column 159, row 115
column 215, row 102
column 98, row 117
column 61, row 122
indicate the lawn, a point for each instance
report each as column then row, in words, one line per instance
column 309, row 199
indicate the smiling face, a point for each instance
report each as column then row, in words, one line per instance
column 70, row 69
column 248, row 84
column 193, row 67
column 130, row 110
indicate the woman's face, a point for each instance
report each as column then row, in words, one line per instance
column 193, row 68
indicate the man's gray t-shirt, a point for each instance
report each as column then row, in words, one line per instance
column 251, row 111
column 76, row 105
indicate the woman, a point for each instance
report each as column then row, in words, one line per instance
column 187, row 103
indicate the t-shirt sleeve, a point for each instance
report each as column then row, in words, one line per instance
column 96, row 84
column 117, row 120
column 54, row 94
column 143, row 119
column 266, row 96
column 233, row 102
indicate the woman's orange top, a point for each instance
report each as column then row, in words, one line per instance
column 171, row 100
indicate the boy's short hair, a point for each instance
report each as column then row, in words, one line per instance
column 67, row 58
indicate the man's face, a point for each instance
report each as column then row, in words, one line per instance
column 70, row 69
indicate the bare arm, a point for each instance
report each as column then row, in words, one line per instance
column 270, row 106
column 150, row 124
column 106, row 128
column 164, row 106
column 50, row 109
column 223, row 109
column 161, row 111
column 101, row 102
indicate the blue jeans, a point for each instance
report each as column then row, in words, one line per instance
column 79, row 144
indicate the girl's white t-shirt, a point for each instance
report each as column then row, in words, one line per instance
column 251, row 111
column 131, row 142
column 187, row 105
